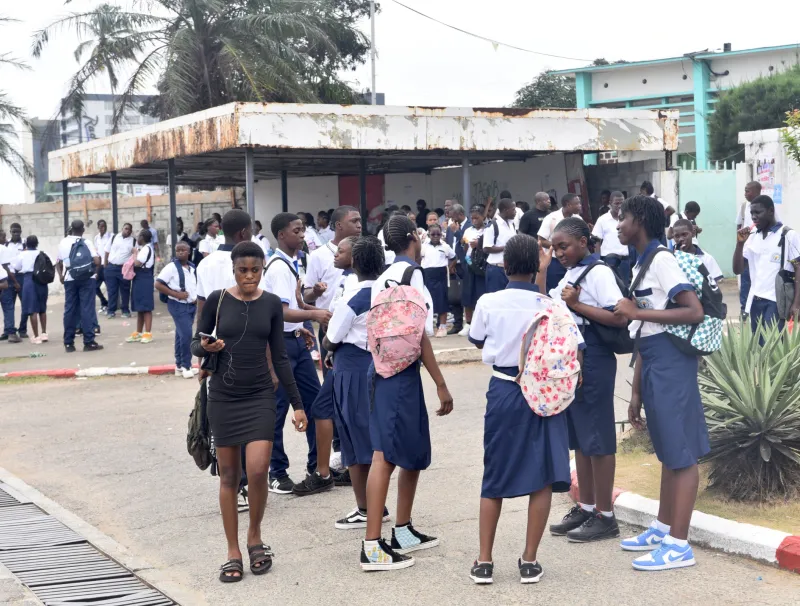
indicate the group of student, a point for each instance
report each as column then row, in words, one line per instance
column 17, row 260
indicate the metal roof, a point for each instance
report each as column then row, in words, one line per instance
column 705, row 55
column 208, row 147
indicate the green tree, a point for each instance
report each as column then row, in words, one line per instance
column 551, row 90
column 755, row 105
column 204, row 53
column 11, row 118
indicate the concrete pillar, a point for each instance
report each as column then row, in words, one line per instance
column 65, row 202
column 284, row 192
column 250, row 182
column 702, row 82
column 173, row 204
column 114, row 204
column 362, row 189
column 583, row 100
column 466, row 185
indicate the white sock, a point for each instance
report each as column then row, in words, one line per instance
column 607, row 514
column 660, row 527
column 585, row 507
column 524, row 562
column 370, row 544
column 670, row 540
column 479, row 562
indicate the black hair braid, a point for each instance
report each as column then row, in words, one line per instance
column 575, row 227
column 647, row 212
column 521, row 255
column 368, row 259
column 399, row 232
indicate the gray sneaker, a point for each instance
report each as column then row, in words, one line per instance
column 15, row 338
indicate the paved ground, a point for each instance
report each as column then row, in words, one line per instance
column 113, row 452
column 117, row 352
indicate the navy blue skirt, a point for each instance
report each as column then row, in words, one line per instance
column 522, row 452
column 591, row 415
column 142, row 287
column 323, row 404
column 675, row 417
column 436, row 281
column 398, row 419
column 34, row 295
column 351, row 403
column 473, row 289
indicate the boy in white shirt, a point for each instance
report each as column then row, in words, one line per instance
column 612, row 252
column 500, row 231
column 683, row 233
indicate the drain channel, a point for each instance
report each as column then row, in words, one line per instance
column 60, row 567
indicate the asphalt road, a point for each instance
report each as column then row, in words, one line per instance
column 113, row 452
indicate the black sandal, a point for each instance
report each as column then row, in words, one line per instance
column 260, row 558
column 228, row 569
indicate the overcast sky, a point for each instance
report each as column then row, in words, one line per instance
column 424, row 63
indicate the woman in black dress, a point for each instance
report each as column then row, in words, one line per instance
column 241, row 396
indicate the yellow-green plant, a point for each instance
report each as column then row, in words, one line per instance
column 790, row 136
column 751, row 394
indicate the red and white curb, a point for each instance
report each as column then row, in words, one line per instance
column 94, row 371
column 756, row 542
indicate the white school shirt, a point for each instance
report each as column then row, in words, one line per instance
column 23, row 263
column 470, row 234
column 63, row 252
column 169, row 276
column 349, row 321
column 550, row 222
column 180, row 239
column 436, row 256
column 312, row 239
column 146, row 256
column 119, row 249
column 3, row 273
column 326, row 235
column 500, row 320
column 215, row 272
column 283, row 284
column 505, row 231
column 661, row 284
column 209, row 245
column 395, row 273
column 763, row 255
column 262, row 242
column 10, row 252
column 606, row 229
column 320, row 269
column 710, row 262
column 101, row 243
column 599, row 288
column 388, row 255
column 349, row 283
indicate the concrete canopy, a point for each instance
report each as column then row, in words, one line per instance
column 208, row 148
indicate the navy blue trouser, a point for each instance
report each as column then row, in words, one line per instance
column 305, row 374
column 183, row 315
column 100, row 280
column 118, row 289
column 8, row 299
column 766, row 311
column 79, row 304
column 496, row 278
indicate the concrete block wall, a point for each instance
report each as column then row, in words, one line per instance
column 628, row 177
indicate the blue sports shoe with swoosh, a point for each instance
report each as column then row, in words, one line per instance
column 666, row 557
column 649, row 540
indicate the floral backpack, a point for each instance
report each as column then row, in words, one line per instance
column 395, row 325
column 548, row 358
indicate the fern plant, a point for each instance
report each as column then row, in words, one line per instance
column 751, row 394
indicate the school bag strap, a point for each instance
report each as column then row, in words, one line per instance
column 634, row 285
column 786, row 229
column 289, row 265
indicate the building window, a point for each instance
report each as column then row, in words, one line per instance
column 109, row 119
column 109, row 105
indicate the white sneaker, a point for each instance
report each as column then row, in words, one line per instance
column 35, row 340
column 178, row 371
column 195, row 371
column 336, row 460
column 187, row 373
column 442, row 332
column 464, row 332
column 43, row 338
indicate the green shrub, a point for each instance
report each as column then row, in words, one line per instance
column 751, row 395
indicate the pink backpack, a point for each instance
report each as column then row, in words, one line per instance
column 395, row 325
column 128, row 271
column 549, row 360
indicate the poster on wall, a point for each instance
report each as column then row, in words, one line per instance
column 765, row 174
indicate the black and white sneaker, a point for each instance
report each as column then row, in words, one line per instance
column 596, row 528
column 377, row 555
column 529, row 573
column 481, row 574
column 282, row 485
column 406, row 539
column 574, row 519
column 342, row 478
column 242, row 501
column 313, row 484
column 357, row 519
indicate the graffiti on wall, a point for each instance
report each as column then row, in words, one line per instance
column 481, row 192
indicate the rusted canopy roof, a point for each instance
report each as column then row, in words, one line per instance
column 208, row 146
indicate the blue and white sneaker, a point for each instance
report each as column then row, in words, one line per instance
column 666, row 557
column 406, row 539
column 649, row 540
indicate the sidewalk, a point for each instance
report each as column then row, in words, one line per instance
column 117, row 353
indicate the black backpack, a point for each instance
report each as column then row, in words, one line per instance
column 198, row 436
column 165, row 298
column 43, row 270
column 616, row 339
column 81, row 263
column 479, row 259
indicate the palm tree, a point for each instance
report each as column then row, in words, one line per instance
column 204, row 53
column 11, row 117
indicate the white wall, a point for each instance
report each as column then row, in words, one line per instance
column 744, row 68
